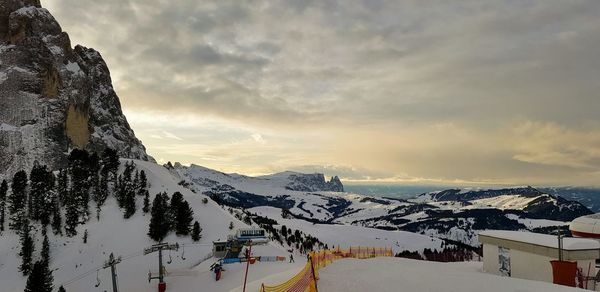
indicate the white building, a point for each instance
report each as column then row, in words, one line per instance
column 527, row 255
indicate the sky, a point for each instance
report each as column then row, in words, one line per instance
column 415, row 92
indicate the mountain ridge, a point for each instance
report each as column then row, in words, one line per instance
column 54, row 97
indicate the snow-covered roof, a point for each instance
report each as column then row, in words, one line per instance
column 569, row 243
column 586, row 226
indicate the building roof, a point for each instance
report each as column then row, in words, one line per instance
column 586, row 226
column 551, row 241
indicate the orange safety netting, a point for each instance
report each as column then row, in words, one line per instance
column 306, row 279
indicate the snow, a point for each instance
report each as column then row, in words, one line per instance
column 56, row 50
column 535, row 223
column 398, row 274
column 349, row 235
column 29, row 11
column 569, row 243
column 127, row 237
column 7, row 127
column 514, row 202
column 74, row 68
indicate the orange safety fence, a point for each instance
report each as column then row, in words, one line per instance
column 306, row 279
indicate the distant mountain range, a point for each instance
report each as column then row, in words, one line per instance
column 590, row 197
column 452, row 214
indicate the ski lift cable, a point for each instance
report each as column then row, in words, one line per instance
column 98, row 268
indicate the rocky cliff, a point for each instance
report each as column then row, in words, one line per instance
column 53, row 97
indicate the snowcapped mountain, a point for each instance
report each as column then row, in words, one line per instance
column 53, row 97
column 456, row 215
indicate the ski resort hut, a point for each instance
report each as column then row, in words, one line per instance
column 235, row 242
column 528, row 255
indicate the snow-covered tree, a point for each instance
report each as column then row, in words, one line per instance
column 45, row 253
column 159, row 222
column 184, row 217
column 142, row 185
column 3, row 192
column 17, row 200
column 79, row 166
column 127, row 190
column 56, row 217
column 41, row 194
column 27, row 247
column 196, row 231
column 146, row 207
column 40, row 279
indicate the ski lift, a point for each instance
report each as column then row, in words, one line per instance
column 97, row 279
column 170, row 259
column 183, row 252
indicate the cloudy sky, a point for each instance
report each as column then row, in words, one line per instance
column 467, row 92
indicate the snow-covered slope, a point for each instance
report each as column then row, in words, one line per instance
column 71, row 258
column 396, row 274
column 456, row 215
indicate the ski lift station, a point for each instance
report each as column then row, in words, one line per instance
column 568, row 261
column 232, row 247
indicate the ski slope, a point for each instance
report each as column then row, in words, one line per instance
column 350, row 235
column 75, row 263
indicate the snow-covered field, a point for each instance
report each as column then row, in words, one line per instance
column 397, row 274
column 348, row 235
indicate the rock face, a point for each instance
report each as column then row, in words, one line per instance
column 313, row 183
column 53, row 97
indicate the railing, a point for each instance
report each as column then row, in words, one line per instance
column 306, row 279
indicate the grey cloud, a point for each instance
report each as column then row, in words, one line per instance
column 339, row 66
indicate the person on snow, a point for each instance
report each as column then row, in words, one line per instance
column 292, row 258
column 217, row 268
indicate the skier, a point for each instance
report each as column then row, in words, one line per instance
column 217, row 268
column 292, row 258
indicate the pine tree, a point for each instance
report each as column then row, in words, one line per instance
column 45, row 253
column 97, row 188
column 196, row 231
column 159, row 222
column 62, row 185
column 79, row 166
column 3, row 191
column 41, row 193
column 40, row 279
column 61, row 289
column 56, row 217
column 71, row 217
column 183, row 218
column 126, row 195
column 26, row 247
column 176, row 201
column 110, row 164
column 17, row 200
column 146, row 207
column 142, row 184
column 231, row 225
